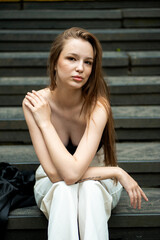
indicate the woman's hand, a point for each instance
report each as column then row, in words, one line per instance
column 39, row 107
column 133, row 189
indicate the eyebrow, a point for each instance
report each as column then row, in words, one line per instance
column 74, row 54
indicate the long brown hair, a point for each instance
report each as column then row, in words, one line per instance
column 95, row 88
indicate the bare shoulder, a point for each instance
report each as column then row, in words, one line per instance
column 45, row 92
column 102, row 108
column 101, row 112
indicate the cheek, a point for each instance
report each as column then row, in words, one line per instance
column 89, row 71
column 64, row 67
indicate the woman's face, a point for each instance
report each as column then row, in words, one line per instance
column 75, row 62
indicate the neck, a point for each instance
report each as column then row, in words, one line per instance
column 67, row 98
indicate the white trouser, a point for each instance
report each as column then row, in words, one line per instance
column 79, row 211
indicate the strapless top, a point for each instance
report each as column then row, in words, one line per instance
column 72, row 148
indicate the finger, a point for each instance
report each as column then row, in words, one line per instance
column 36, row 98
column 131, row 198
column 28, row 104
column 31, row 100
column 135, row 199
column 33, row 96
column 143, row 195
column 139, row 199
column 39, row 96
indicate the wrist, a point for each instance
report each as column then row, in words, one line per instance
column 45, row 125
column 118, row 173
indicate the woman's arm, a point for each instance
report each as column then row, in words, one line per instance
column 40, row 146
column 70, row 167
column 94, row 173
column 73, row 168
column 131, row 186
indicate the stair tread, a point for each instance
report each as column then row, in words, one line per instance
column 144, row 58
column 129, row 216
column 132, row 123
column 80, row 4
column 61, row 14
column 40, row 59
column 126, row 112
column 141, row 13
column 134, row 157
column 121, row 84
column 85, row 14
column 126, row 152
column 133, row 84
column 92, row 4
column 102, row 34
column 110, row 58
column 124, row 90
column 110, row 18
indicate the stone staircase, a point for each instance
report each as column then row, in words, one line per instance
column 130, row 37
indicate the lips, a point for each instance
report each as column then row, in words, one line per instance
column 77, row 78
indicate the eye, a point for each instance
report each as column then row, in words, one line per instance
column 89, row 63
column 71, row 59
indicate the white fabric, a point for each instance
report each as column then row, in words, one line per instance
column 79, row 211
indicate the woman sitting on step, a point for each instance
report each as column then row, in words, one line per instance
column 70, row 122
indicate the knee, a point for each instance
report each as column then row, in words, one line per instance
column 90, row 183
column 62, row 186
column 94, row 190
column 63, row 189
column 90, row 187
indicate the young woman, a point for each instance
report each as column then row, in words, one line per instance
column 78, row 181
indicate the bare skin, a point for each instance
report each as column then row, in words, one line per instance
column 53, row 117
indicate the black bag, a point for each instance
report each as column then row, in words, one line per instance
column 16, row 191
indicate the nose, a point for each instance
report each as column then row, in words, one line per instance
column 79, row 67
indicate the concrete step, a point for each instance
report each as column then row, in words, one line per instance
column 125, row 90
column 111, row 39
column 34, row 63
column 60, row 19
column 137, row 18
column 114, row 63
column 144, row 61
column 125, row 222
column 91, row 4
column 131, row 123
column 141, row 160
column 53, row 19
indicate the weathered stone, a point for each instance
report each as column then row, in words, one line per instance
column 123, row 215
column 133, row 157
column 141, row 13
column 60, row 14
column 141, row 23
column 149, row 58
column 125, row 117
column 91, row 4
column 102, row 34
